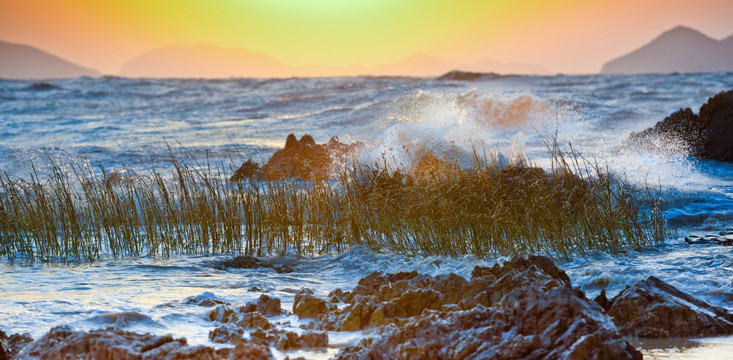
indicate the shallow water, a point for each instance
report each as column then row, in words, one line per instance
column 115, row 121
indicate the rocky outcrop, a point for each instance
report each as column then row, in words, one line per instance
column 11, row 345
column 63, row 343
column 300, row 159
column 280, row 265
column 525, row 308
column 652, row 308
column 707, row 134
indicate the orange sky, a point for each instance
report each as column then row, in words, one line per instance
column 569, row 36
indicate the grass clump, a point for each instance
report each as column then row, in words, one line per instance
column 85, row 213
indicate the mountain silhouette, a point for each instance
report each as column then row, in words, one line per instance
column 203, row 61
column 681, row 49
column 210, row 61
column 19, row 61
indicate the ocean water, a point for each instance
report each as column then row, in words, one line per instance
column 136, row 124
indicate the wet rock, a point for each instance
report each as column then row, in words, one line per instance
column 227, row 334
column 525, row 308
column 306, row 305
column 280, row 265
column 248, row 170
column 525, row 324
column 300, row 159
column 250, row 352
column 655, row 309
column 63, row 343
column 253, row 321
column 268, row 306
column 292, row 341
column 707, row 134
column 709, row 240
column 223, row 314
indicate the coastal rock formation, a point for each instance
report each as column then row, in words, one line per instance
column 300, row 159
column 281, row 265
column 11, row 345
column 63, row 343
column 707, row 134
column 652, row 308
column 523, row 309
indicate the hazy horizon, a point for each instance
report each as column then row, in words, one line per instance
column 329, row 37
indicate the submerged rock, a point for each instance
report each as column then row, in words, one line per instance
column 652, row 308
column 280, row 265
column 63, row 343
column 707, row 134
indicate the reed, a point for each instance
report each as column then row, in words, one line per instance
column 82, row 213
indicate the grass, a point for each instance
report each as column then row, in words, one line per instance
column 83, row 213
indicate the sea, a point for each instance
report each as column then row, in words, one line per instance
column 125, row 124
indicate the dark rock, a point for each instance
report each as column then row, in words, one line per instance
column 248, row 170
column 308, row 306
column 300, row 159
column 250, row 352
column 253, row 321
column 525, row 308
column 468, row 76
column 268, row 306
column 63, row 343
column 280, row 265
column 707, row 134
column 224, row 334
column 655, row 309
column 525, row 324
column 223, row 314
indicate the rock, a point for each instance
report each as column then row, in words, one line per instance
column 308, row 306
column 525, row 308
column 707, row 134
column 223, row 314
column 268, row 306
column 250, row 352
column 300, row 159
column 655, row 309
column 280, row 265
column 227, row 334
column 248, row 170
column 468, row 76
column 254, row 321
column 525, row 324
column 63, row 343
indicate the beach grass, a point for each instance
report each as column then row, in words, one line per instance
column 79, row 212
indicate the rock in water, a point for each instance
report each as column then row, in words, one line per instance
column 300, row 159
column 523, row 309
column 655, row 309
column 63, row 343
column 709, row 134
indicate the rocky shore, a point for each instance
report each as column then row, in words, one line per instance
column 525, row 308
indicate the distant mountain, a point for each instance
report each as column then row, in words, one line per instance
column 204, row 61
column 678, row 50
column 427, row 65
column 26, row 62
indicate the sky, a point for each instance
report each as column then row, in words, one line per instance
column 565, row 36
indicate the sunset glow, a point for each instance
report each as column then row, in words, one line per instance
column 571, row 36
